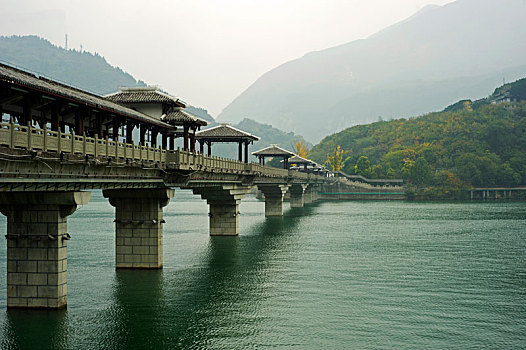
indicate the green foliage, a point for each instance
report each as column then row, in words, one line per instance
column 469, row 145
column 363, row 167
column 82, row 69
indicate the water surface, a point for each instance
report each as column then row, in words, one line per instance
column 369, row 275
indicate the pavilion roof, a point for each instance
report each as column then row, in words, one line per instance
column 225, row 133
column 300, row 160
column 273, row 151
column 146, row 94
column 34, row 82
column 181, row 117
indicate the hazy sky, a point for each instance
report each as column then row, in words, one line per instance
column 204, row 51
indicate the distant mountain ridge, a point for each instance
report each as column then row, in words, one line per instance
column 85, row 70
column 441, row 54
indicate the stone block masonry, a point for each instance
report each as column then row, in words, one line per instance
column 37, row 247
column 139, row 226
column 273, row 198
column 224, row 207
column 296, row 195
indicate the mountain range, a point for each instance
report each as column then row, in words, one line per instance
column 439, row 55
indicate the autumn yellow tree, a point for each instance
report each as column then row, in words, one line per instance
column 301, row 149
column 336, row 159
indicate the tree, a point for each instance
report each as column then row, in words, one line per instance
column 301, row 149
column 363, row 167
column 420, row 172
column 336, row 159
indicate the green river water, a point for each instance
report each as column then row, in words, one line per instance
column 332, row 275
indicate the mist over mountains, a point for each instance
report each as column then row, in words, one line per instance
column 437, row 56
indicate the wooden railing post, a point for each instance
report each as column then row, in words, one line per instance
column 12, row 133
column 84, row 145
column 96, row 145
column 107, row 147
column 59, row 140
column 45, row 140
column 28, row 135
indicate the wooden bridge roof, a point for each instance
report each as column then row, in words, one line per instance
column 29, row 81
column 273, row 151
column 181, row 117
column 225, row 133
column 147, row 94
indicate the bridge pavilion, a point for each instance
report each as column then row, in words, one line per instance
column 274, row 151
column 225, row 133
column 164, row 107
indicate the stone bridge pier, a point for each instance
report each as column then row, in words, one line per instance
column 273, row 198
column 297, row 195
column 37, row 246
column 311, row 194
column 224, row 207
column 139, row 226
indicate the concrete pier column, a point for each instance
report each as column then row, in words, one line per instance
column 139, row 226
column 309, row 196
column 37, row 246
column 296, row 195
column 273, row 198
column 224, row 207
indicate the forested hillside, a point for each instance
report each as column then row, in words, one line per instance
column 439, row 55
column 470, row 144
column 84, row 69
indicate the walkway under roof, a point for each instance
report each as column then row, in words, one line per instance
column 273, row 151
column 225, row 133
column 31, row 99
column 40, row 87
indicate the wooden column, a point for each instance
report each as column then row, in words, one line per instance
column 185, row 137
column 201, row 147
column 154, row 134
column 240, row 151
column 192, row 141
column 129, row 132
column 209, row 148
column 79, row 123
column 116, row 125
column 55, row 118
column 98, row 125
column 172, row 142
column 246, row 151
column 28, row 113
column 142, row 134
column 165, row 138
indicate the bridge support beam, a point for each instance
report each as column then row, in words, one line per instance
column 224, row 207
column 139, row 226
column 273, row 198
column 296, row 195
column 37, row 246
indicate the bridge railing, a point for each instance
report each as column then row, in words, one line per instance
column 30, row 138
column 35, row 139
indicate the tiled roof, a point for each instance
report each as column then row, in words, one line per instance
column 225, row 132
column 273, row 151
column 180, row 117
column 300, row 160
column 21, row 78
column 144, row 95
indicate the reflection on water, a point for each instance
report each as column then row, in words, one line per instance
column 35, row 329
column 330, row 275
